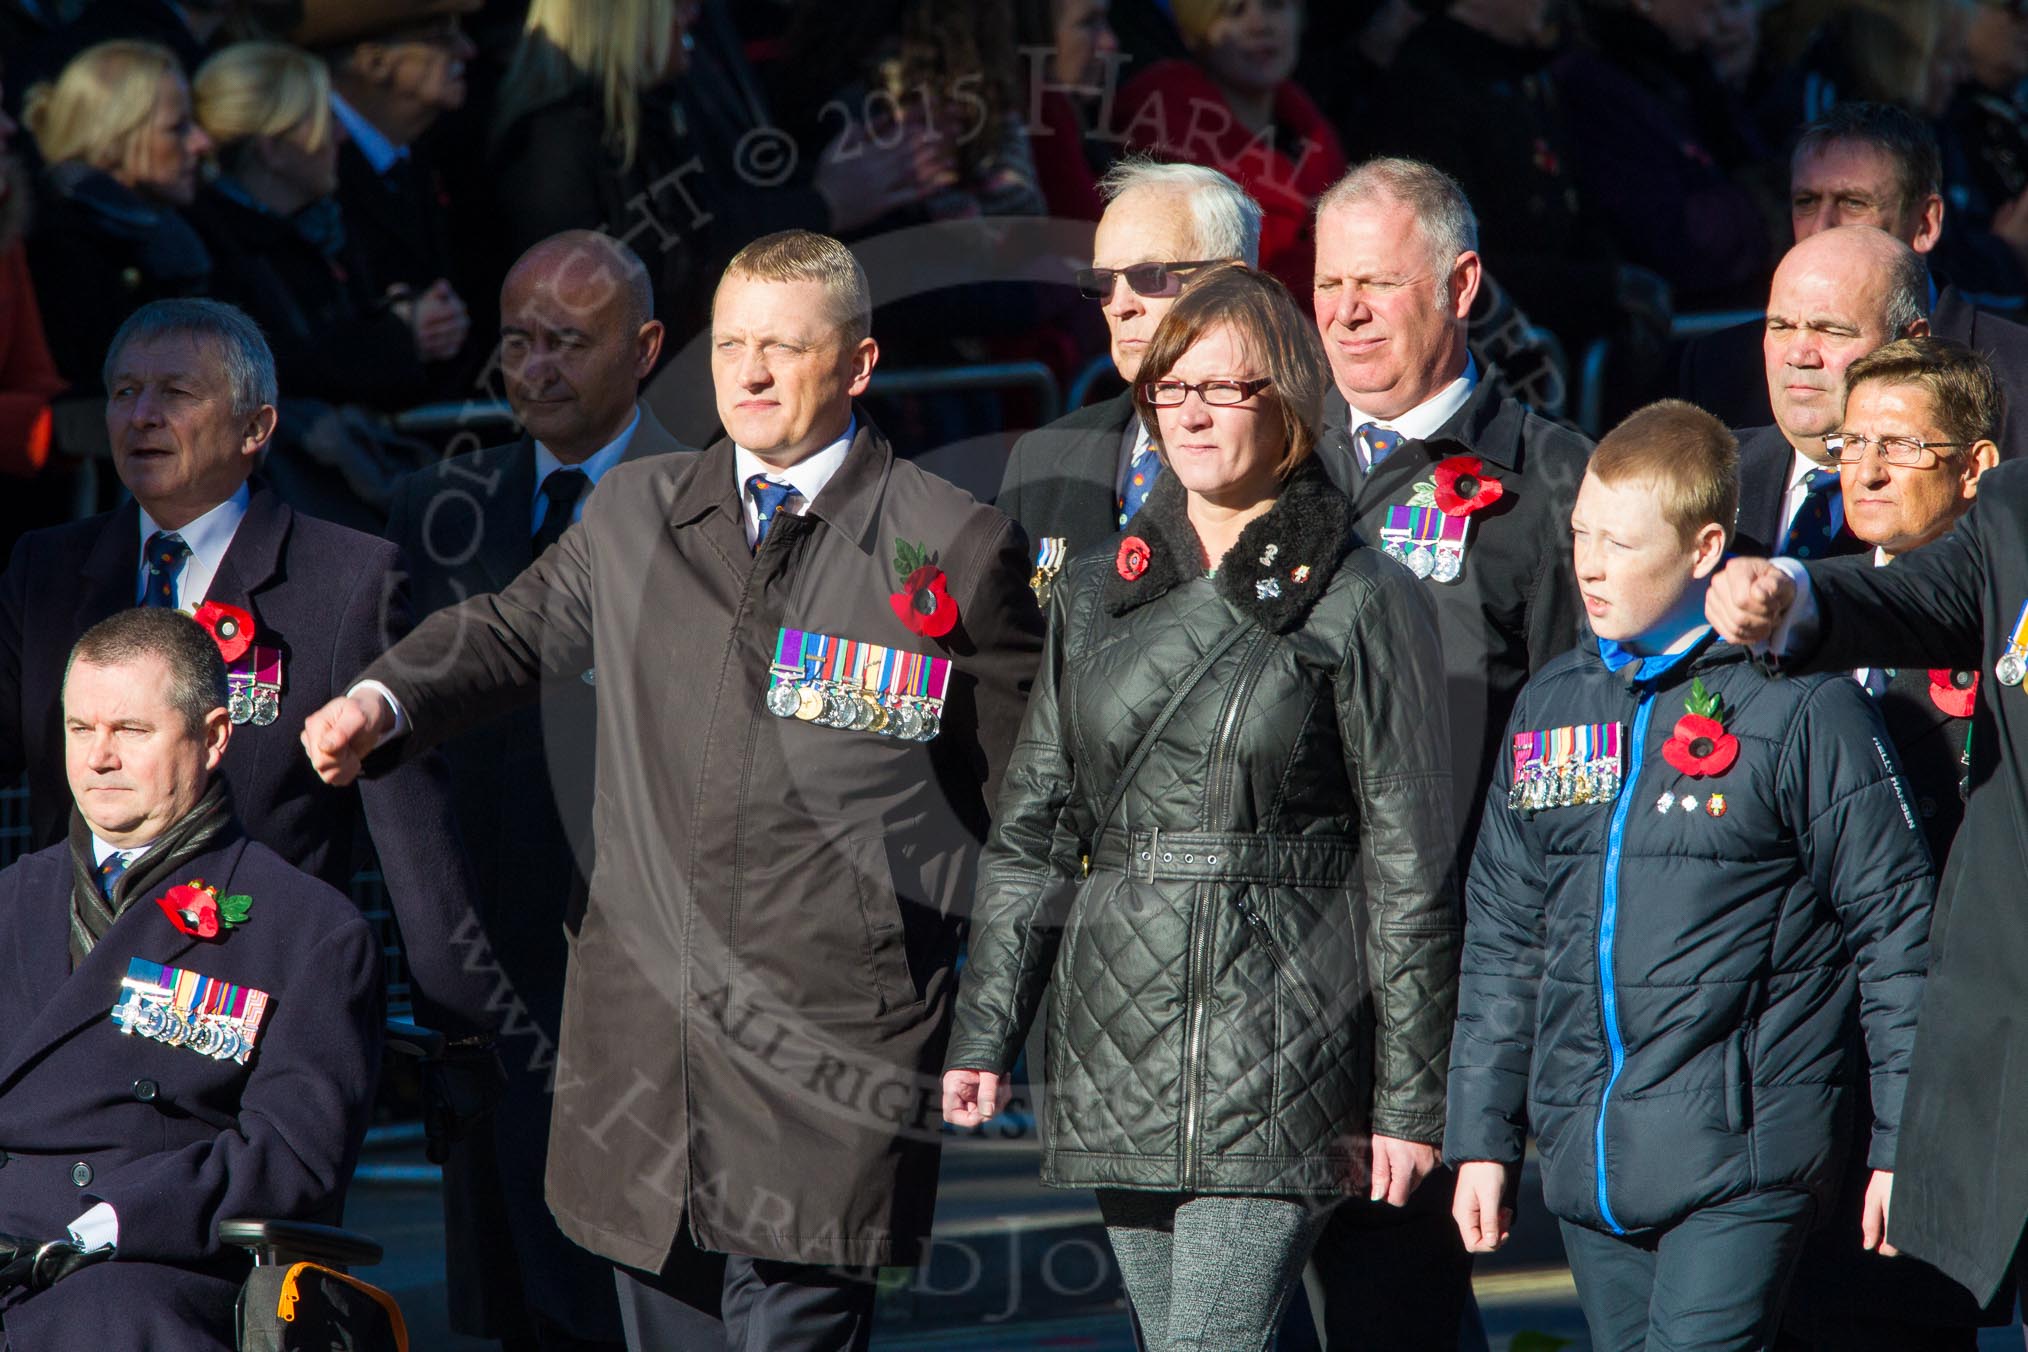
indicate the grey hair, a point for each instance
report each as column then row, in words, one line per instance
column 1449, row 225
column 1907, row 288
column 249, row 365
column 1224, row 219
column 197, row 682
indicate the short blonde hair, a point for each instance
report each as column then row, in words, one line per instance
column 1689, row 457
column 806, row 256
column 1272, row 330
column 253, row 89
column 96, row 110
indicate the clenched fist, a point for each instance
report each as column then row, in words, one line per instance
column 342, row 734
column 1748, row 600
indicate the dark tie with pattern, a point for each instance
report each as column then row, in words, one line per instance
column 166, row 556
column 1378, row 442
column 110, row 870
column 1817, row 520
column 562, row 489
column 1142, row 472
column 768, row 497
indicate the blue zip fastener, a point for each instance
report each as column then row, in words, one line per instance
column 1608, row 921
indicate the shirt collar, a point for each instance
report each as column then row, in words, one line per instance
column 101, row 849
column 1426, row 419
column 209, row 535
column 593, row 465
column 1617, row 658
column 1803, row 467
column 807, row 476
column 380, row 152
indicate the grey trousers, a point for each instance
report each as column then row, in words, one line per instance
column 1210, row 1274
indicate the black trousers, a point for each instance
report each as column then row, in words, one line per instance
column 1713, row 1282
column 714, row 1302
column 1395, row 1279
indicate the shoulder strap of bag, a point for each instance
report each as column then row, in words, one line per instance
column 1162, row 720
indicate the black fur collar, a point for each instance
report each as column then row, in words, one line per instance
column 1280, row 565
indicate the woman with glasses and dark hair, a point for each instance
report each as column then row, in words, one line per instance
column 1225, row 842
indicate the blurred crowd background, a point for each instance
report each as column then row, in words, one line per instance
column 357, row 174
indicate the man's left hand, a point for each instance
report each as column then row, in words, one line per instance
column 1399, row 1168
column 1873, row 1225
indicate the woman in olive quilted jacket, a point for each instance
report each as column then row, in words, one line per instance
column 1224, row 841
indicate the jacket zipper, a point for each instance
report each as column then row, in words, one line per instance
column 1608, row 922
column 1200, row 939
column 1284, row 965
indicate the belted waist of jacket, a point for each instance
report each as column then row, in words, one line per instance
column 1228, row 856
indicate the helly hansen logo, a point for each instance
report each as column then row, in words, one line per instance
column 1894, row 778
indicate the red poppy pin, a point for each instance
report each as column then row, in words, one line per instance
column 232, row 629
column 196, row 909
column 924, row 602
column 1701, row 746
column 1954, row 692
column 1132, row 560
column 1463, row 486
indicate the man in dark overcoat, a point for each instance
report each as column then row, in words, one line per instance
column 811, row 664
column 1081, row 478
column 161, row 1069
column 1473, row 492
column 189, row 410
column 577, row 337
column 1961, row 1188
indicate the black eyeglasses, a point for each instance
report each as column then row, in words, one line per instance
column 1218, row 393
column 1849, row 448
column 1147, row 279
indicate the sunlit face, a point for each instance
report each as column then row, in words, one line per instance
column 136, row 766
column 163, row 159
column 1144, row 226
column 1847, row 183
column 571, row 362
column 178, row 445
column 1225, row 453
column 783, row 369
column 1827, row 309
column 1634, row 568
column 1393, row 318
column 1252, row 45
column 1902, row 507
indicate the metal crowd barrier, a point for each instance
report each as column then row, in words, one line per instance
column 456, row 415
column 1031, row 376
column 1099, row 368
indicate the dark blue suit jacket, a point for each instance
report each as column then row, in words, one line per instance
column 332, row 599
column 174, row 1140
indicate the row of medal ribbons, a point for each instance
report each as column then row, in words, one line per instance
column 1430, row 543
column 858, row 686
column 1566, row 767
column 188, row 1009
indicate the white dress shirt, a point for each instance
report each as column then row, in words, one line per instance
column 1874, row 678
column 594, row 467
column 1424, row 420
column 380, row 152
column 1130, row 446
column 1800, row 470
column 208, row 537
column 807, row 477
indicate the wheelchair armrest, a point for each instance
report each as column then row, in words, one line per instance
column 278, row 1242
column 413, row 1040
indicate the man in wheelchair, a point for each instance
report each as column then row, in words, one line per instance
column 190, row 1028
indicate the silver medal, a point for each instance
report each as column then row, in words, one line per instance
column 240, row 704
column 2011, row 668
column 782, row 700
column 1421, row 562
column 267, row 707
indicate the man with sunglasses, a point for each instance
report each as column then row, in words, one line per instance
column 1081, row 479
column 1837, row 295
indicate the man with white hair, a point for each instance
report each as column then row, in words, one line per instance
column 1473, row 492
column 1081, row 478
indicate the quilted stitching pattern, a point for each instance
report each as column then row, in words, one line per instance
column 1351, row 1026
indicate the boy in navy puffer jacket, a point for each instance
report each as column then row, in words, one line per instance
column 1687, row 875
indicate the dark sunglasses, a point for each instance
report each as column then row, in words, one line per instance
column 1147, row 279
